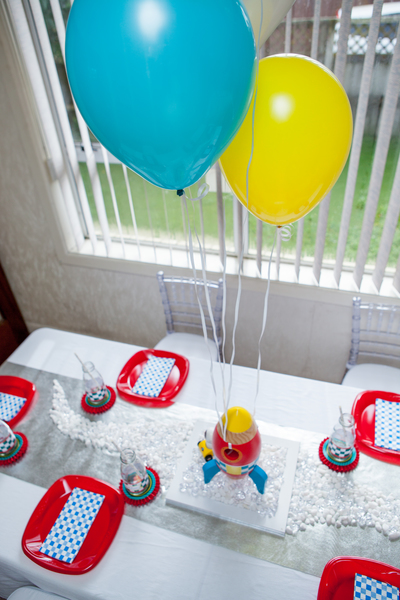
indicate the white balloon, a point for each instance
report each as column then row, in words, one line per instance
column 273, row 13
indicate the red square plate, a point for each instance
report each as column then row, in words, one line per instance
column 364, row 416
column 135, row 365
column 99, row 536
column 16, row 386
column 337, row 581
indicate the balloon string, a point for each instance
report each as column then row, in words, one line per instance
column 208, row 301
column 254, row 109
column 285, row 232
column 202, row 192
column 224, row 289
column 237, row 306
column 260, row 28
column 244, row 225
column 264, row 322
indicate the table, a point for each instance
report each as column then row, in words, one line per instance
column 144, row 558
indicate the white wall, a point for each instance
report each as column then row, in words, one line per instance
column 308, row 329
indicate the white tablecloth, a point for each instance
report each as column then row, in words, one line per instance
column 143, row 559
column 284, row 400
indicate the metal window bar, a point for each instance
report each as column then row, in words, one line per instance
column 389, row 229
column 238, row 230
column 288, row 38
column 220, row 212
column 167, row 224
column 288, row 31
column 396, row 278
column 202, row 232
column 45, row 48
column 94, row 178
column 185, row 232
column 260, row 228
column 84, row 132
column 130, row 201
column 58, row 111
column 379, row 163
column 355, row 154
column 314, row 55
column 95, row 182
column 315, row 30
column 51, row 142
column 278, row 252
column 113, row 197
column 60, row 28
column 299, row 246
column 149, row 217
column 340, row 65
column 259, row 246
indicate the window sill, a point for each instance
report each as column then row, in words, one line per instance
column 153, row 259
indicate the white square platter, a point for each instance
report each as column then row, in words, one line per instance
column 275, row 524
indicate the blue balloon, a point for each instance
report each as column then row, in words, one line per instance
column 164, row 85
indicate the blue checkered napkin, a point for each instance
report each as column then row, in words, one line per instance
column 387, row 424
column 366, row 588
column 153, row 377
column 72, row 525
column 10, row 406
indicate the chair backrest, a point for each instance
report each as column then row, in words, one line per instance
column 375, row 332
column 180, row 298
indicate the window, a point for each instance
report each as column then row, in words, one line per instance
column 351, row 241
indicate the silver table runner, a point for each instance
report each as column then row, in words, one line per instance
column 52, row 455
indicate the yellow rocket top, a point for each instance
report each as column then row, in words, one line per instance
column 239, row 419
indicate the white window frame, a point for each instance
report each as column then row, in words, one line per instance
column 72, row 206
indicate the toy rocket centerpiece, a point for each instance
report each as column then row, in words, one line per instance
column 236, row 453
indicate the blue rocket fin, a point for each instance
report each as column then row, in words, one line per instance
column 210, row 469
column 259, row 476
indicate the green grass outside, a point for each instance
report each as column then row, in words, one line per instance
column 175, row 217
column 162, row 217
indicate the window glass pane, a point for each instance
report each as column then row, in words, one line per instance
column 159, row 215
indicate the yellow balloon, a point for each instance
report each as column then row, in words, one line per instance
column 302, row 135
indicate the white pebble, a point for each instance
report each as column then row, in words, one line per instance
column 289, row 530
column 161, row 444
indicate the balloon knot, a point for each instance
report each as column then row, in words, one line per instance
column 180, row 192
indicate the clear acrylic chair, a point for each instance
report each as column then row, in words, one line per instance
column 179, row 297
column 375, row 347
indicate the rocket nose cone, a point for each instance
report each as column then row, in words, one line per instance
column 239, row 419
